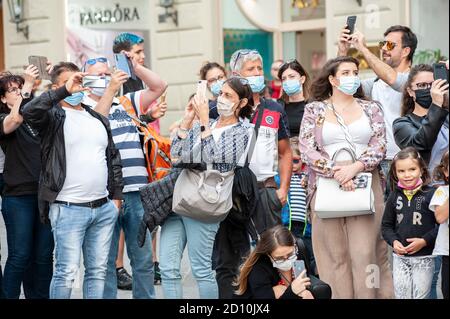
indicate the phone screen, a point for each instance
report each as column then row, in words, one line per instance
column 94, row 81
column 299, row 267
column 351, row 21
column 41, row 63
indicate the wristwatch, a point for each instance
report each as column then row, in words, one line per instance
column 202, row 128
column 25, row 95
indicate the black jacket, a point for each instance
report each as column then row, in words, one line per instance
column 261, row 280
column 420, row 132
column 46, row 115
column 401, row 219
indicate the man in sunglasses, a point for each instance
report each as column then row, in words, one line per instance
column 127, row 139
column 392, row 73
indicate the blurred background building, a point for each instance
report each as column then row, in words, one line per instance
column 180, row 35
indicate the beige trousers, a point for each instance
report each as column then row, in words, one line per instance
column 351, row 256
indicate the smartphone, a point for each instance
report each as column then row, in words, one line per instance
column 124, row 64
column 440, row 71
column 201, row 89
column 162, row 99
column 351, row 21
column 299, row 267
column 95, row 81
column 41, row 63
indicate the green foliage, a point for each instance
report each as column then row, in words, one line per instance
column 428, row 57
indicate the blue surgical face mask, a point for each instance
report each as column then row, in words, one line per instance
column 74, row 99
column 292, row 87
column 256, row 83
column 349, row 84
column 217, row 87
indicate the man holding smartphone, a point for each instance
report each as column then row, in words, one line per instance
column 127, row 139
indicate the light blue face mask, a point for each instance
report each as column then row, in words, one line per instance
column 217, row 87
column 292, row 87
column 349, row 84
column 256, row 83
column 74, row 99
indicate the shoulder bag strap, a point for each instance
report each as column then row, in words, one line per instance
column 255, row 134
column 340, row 120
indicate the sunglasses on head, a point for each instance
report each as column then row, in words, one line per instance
column 389, row 45
column 243, row 53
column 94, row 61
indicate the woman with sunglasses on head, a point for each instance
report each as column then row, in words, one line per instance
column 30, row 243
column 268, row 272
column 295, row 84
column 424, row 111
column 341, row 118
column 215, row 76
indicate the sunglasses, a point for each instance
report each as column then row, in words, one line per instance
column 243, row 53
column 389, row 45
column 296, row 161
column 94, row 61
column 289, row 62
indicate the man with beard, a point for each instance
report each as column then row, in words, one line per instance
column 397, row 50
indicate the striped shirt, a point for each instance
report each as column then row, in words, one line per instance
column 297, row 196
column 126, row 138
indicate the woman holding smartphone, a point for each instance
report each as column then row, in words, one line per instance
column 268, row 272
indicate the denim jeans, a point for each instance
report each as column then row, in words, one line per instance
column 176, row 233
column 2, row 295
column 140, row 258
column 30, row 249
column 78, row 228
column 434, row 282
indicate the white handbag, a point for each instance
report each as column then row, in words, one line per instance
column 333, row 202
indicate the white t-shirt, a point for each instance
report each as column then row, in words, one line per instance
column 86, row 141
column 390, row 99
column 2, row 161
column 441, row 245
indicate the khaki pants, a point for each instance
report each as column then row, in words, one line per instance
column 350, row 254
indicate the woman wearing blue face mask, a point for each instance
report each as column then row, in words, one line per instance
column 295, row 84
column 215, row 75
column 30, row 243
column 340, row 117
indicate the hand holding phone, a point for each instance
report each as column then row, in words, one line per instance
column 201, row 90
column 299, row 267
column 41, row 63
column 351, row 21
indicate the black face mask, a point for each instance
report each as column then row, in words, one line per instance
column 423, row 98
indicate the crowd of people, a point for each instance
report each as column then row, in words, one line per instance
column 78, row 178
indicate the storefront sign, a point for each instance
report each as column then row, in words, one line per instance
column 107, row 16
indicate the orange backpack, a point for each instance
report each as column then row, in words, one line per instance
column 156, row 147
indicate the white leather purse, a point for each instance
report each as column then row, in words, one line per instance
column 333, row 202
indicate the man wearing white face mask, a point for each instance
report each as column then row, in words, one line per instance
column 126, row 138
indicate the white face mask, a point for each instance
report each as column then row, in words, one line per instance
column 225, row 107
column 285, row 265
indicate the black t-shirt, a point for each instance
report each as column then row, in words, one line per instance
column 22, row 160
column 131, row 86
column 294, row 112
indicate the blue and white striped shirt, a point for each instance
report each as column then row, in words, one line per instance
column 126, row 138
column 297, row 196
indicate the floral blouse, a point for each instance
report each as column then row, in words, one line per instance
column 311, row 141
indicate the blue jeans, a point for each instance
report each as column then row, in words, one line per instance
column 30, row 249
column 434, row 282
column 140, row 258
column 176, row 232
column 78, row 228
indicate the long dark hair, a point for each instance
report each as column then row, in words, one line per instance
column 6, row 79
column 412, row 153
column 408, row 103
column 297, row 67
column 270, row 240
column 441, row 169
column 244, row 91
column 322, row 89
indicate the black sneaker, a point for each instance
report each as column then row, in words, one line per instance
column 124, row 279
column 157, row 274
